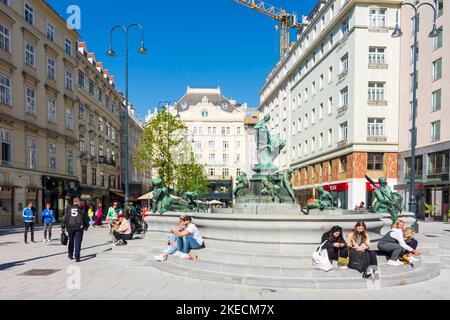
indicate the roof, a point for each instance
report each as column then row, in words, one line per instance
column 195, row 96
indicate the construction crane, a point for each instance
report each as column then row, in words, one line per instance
column 288, row 20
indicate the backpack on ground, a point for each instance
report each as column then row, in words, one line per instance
column 321, row 260
column 357, row 261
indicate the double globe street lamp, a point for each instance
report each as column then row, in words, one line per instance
column 111, row 53
column 397, row 34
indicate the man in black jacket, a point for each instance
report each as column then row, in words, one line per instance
column 75, row 221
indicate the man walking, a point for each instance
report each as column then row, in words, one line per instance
column 29, row 218
column 75, row 221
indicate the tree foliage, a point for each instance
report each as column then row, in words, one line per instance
column 191, row 176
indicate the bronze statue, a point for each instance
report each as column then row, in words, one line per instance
column 242, row 183
column 386, row 201
column 325, row 201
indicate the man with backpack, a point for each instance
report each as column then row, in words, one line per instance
column 76, row 222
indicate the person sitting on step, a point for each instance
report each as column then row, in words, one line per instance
column 335, row 244
column 173, row 241
column 188, row 239
column 409, row 236
column 394, row 246
column 358, row 240
column 122, row 231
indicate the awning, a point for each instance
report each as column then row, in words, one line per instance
column 216, row 202
column 120, row 194
column 85, row 197
column 148, row 196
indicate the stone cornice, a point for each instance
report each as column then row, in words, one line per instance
column 30, row 35
column 6, row 18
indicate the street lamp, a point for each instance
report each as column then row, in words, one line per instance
column 396, row 34
column 111, row 53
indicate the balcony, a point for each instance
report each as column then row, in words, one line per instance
column 377, row 103
column 378, row 66
column 102, row 160
column 83, row 155
column 6, row 163
column 342, row 109
column 342, row 143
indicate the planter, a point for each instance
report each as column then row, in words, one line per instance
column 429, row 219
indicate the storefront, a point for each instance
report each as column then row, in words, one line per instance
column 59, row 192
column 340, row 194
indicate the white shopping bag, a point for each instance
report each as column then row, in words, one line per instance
column 320, row 259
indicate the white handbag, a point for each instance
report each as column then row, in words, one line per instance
column 321, row 260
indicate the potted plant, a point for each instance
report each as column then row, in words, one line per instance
column 430, row 212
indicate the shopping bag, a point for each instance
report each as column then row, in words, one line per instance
column 321, row 260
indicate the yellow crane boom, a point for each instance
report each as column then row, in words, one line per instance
column 288, row 20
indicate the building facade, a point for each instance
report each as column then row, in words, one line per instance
column 39, row 135
column 334, row 97
column 99, row 107
column 433, row 109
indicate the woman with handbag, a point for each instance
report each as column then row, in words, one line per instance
column 336, row 246
column 361, row 257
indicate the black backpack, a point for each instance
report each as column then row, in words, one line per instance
column 357, row 261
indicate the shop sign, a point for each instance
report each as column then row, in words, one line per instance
column 342, row 187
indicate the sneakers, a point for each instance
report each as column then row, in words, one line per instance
column 184, row 256
column 343, row 268
column 161, row 258
column 394, row 263
column 178, row 254
column 413, row 259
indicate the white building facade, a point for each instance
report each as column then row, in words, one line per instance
column 335, row 98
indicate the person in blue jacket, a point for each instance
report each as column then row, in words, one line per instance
column 48, row 217
column 29, row 218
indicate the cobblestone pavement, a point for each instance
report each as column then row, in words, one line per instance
column 114, row 278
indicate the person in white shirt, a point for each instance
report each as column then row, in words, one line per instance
column 188, row 239
column 393, row 244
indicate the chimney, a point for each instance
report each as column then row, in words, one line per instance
column 105, row 73
column 81, row 47
column 91, row 57
column 112, row 80
column 99, row 66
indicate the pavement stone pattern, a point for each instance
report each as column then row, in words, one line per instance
column 109, row 277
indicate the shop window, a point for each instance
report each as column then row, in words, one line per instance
column 375, row 161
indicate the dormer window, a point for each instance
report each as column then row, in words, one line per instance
column 184, row 105
column 205, row 114
column 224, row 106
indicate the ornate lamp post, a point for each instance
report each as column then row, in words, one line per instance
column 396, row 34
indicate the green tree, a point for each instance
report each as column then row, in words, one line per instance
column 191, row 176
column 159, row 142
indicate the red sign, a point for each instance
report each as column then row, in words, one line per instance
column 370, row 187
column 342, row 187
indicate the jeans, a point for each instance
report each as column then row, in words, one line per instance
column 173, row 243
column 91, row 221
column 120, row 236
column 29, row 226
column 75, row 240
column 48, row 231
column 187, row 243
column 394, row 250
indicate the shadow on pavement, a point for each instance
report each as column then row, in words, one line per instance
column 11, row 265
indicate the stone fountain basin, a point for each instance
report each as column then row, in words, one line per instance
column 270, row 234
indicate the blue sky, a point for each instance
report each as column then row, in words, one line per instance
column 201, row 43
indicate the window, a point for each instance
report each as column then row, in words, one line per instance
column 238, row 158
column 419, row 167
column 377, row 55
column 69, row 119
column 330, row 137
column 6, row 151
column 376, row 91
column 306, row 121
column 211, row 145
column 102, row 178
column 30, row 95
column 375, row 161
column 436, row 131
column 51, row 68
column 212, row 158
column 29, row 54
column 100, row 95
column 52, row 156
column 5, row 38
column 100, row 124
column 437, row 100
column 205, row 114
column 68, row 46
column 69, row 82
column 51, row 110
column 299, row 126
column 411, row 106
column 100, row 150
column 306, row 147
column 377, row 18
column 211, row 172
column 437, row 69
column 198, row 145
column 313, row 88
column 238, row 172
column 50, row 31
column 344, row 63
column 81, row 78
column 226, row 144
column 313, row 116
column 344, row 98
column 32, row 153
column 321, row 111
column 91, row 87
column 330, row 74
column 345, row 28
column 343, row 133
column 70, row 162
column 437, row 41
column 321, row 82
column 92, row 148
column 330, row 105
column 343, row 164
column 94, row 176
column 5, row 90
column 306, row 94
column 29, row 14
column 238, row 130
column 375, row 127
column 321, row 141
column 224, row 131
column 438, row 163
column 225, row 158
column 238, row 145
column 225, row 172
column 82, row 144
column 440, row 8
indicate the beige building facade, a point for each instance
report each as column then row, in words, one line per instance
column 37, row 108
column 433, row 111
